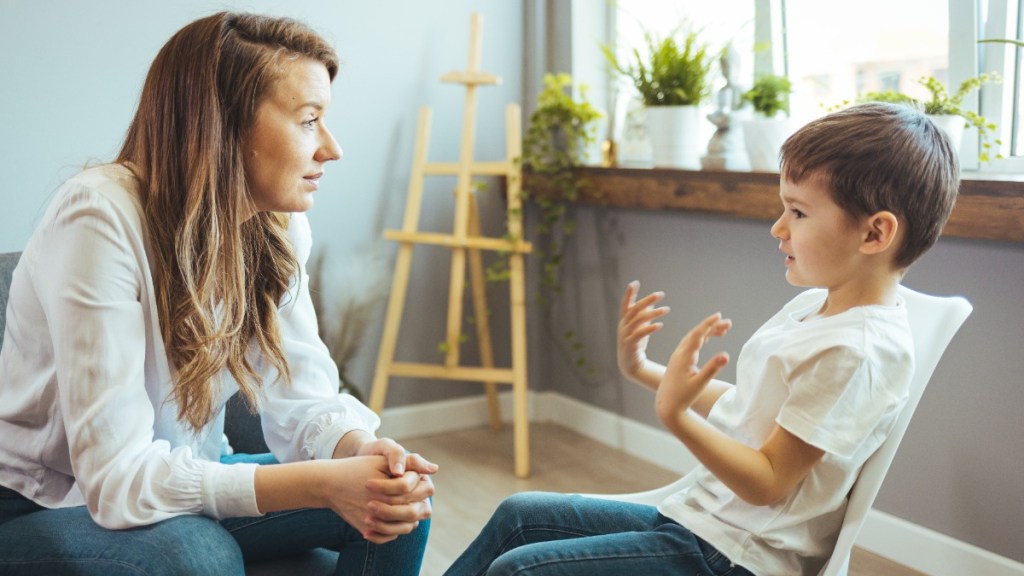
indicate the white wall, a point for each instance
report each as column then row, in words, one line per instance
column 71, row 73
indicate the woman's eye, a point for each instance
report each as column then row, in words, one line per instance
column 311, row 123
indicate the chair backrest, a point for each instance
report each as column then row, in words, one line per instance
column 8, row 261
column 934, row 320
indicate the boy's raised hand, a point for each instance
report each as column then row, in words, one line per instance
column 684, row 380
column 636, row 324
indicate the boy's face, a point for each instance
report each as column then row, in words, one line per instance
column 821, row 241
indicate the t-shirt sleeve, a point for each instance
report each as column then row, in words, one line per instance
column 841, row 397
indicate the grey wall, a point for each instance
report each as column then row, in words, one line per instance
column 72, row 72
column 959, row 468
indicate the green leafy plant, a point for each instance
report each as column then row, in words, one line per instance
column 558, row 133
column 769, row 94
column 942, row 103
column 673, row 73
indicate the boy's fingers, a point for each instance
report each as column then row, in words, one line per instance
column 698, row 333
column 628, row 296
column 708, row 371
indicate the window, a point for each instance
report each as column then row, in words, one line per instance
column 834, row 52
column 1004, row 103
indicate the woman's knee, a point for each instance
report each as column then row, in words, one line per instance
column 193, row 545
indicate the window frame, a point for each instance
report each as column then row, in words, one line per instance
column 1001, row 103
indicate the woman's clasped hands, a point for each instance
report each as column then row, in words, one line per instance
column 383, row 491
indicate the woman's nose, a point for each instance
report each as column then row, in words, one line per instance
column 329, row 148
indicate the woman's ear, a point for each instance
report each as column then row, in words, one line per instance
column 881, row 230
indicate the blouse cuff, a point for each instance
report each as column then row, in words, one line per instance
column 329, row 437
column 229, row 491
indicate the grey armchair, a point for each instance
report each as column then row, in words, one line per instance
column 246, row 435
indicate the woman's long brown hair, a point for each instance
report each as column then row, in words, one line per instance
column 219, row 280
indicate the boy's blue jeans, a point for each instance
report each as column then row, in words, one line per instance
column 544, row 534
column 39, row 541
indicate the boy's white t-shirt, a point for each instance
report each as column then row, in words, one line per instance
column 838, row 383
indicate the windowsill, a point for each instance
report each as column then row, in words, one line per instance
column 990, row 207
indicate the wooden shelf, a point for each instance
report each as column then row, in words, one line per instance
column 988, row 208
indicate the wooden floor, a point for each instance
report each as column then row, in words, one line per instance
column 476, row 474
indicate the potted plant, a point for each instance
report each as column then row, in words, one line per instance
column 673, row 81
column 947, row 111
column 557, row 135
column 764, row 134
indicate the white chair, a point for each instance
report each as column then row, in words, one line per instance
column 934, row 320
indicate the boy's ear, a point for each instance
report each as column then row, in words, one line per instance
column 880, row 231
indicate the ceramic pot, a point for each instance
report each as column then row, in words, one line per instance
column 674, row 136
column 763, row 138
column 952, row 125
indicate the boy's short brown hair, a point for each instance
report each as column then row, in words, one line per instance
column 875, row 157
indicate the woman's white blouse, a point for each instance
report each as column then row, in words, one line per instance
column 86, row 408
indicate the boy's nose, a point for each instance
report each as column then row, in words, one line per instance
column 778, row 229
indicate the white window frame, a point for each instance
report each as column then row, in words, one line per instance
column 997, row 100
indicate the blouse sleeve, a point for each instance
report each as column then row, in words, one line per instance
column 305, row 419
column 89, row 279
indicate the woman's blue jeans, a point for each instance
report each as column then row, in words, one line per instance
column 544, row 534
column 37, row 541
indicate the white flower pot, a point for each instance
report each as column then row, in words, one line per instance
column 953, row 126
column 674, row 134
column 763, row 138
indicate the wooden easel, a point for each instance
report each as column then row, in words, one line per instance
column 465, row 241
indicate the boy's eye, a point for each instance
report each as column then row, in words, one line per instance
column 797, row 214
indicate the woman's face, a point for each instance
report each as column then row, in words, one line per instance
column 289, row 144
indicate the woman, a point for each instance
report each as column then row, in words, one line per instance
column 155, row 288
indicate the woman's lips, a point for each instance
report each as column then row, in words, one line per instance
column 314, row 180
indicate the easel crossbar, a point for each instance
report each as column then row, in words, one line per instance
column 479, row 168
column 468, row 373
column 449, row 241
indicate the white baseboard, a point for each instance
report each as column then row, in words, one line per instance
column 929, row 551
column 911, row 545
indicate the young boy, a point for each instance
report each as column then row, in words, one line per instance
column 865, row 191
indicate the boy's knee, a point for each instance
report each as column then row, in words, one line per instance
column 524, row 501
column 530, row 505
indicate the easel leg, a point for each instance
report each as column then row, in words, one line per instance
column 480, row 309
column 396, row 303
column 521, row 417
column 403, row 263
